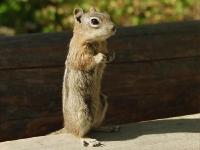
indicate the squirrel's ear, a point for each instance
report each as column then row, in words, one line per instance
column 92, row 9
column 78, row 12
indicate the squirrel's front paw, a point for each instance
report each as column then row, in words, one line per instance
column 111, row 56
column 100, row 58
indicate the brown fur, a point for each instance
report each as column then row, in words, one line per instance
column 84, row 107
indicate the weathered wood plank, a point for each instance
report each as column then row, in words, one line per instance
column 30, row 101
column 134, row 44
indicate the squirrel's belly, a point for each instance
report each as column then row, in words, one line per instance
column 84, row 80
column 84, row 86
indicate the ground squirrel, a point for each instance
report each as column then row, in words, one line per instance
column 84, row 106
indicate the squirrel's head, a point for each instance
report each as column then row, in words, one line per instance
column 93, row 25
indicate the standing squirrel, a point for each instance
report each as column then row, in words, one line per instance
column 84, row 106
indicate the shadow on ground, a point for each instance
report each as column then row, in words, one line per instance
column 131, row 131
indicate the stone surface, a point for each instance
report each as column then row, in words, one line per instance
column 179, row 133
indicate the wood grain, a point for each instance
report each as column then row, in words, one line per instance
column 156, row 74
column 133, row 44
column 31, row 103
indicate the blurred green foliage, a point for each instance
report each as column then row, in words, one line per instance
column 28, row 16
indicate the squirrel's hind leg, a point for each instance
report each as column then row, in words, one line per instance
column 99, row 128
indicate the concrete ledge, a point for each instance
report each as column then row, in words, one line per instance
column 180, row 133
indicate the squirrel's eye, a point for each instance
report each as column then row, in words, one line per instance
column 94, row 21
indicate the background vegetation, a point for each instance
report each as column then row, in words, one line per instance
column 28, row 16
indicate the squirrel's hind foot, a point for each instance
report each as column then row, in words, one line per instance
column 90, row 142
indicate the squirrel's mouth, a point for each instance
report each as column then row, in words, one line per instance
column 114, row 29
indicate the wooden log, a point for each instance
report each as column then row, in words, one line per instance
column 32, row 106
column 156, row 74
column 133, row 44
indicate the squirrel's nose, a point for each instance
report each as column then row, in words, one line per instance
column 113, row 28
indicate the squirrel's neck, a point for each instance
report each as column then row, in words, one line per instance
column 80, row 40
